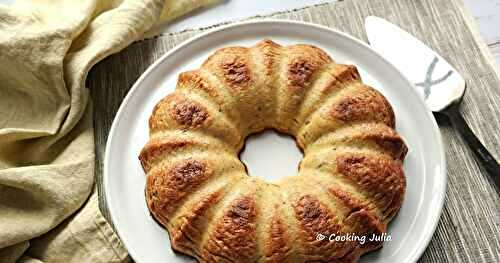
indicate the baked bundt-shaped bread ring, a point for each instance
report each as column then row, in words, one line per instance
column 350, row 181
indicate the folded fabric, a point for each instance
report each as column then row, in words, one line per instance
column 47, row 212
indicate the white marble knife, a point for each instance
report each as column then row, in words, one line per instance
column 441, row 86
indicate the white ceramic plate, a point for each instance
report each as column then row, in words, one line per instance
column 424, row 166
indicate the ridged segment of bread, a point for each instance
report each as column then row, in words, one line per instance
column 234, row 69
column 350, row 181
column 232, row 235
column 333, row 79
column 316, row 211
column 204, row 85
column 378, row 177
column 354, row 104
column 170, row 183
column 275, row 233
column 372, row 135
column 299, row 69
column 178, row 111
column 187, row 225
column 265, row 57
column 166, row 145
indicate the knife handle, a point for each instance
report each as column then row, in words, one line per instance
column 483, row 156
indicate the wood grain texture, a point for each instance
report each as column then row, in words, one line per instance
column 469, row 229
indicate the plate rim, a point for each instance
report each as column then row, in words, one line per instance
column 435, row 128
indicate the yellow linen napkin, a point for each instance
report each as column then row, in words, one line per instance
column 47, row 211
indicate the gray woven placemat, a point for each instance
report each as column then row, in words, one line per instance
column 469, row 229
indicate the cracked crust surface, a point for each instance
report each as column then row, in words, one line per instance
column 351, row 180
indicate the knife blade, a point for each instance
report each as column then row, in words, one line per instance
column 437, row 81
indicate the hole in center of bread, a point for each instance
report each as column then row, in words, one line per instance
column 271, row 156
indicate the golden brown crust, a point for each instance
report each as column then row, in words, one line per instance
column 189, row 113
column 386, row 139
column 165, row 188
column 382, row 177
column 186, row 236
column 315, row 218
column 340, row 74
column 194, row 79
column 270, row 51
column 194, row 181
column 367, row 105
column 300, row 72
column 176, row 110
column 304, row 61
column 390, row 142
column 301, row 66
column 156, row 147
column 365, row 223
column 185, row 112
column 361, row 218
column 236, row 72
column 277, row 248
column 234, row 236
column 380, row 136
column 232, row 65
column 350, row 202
